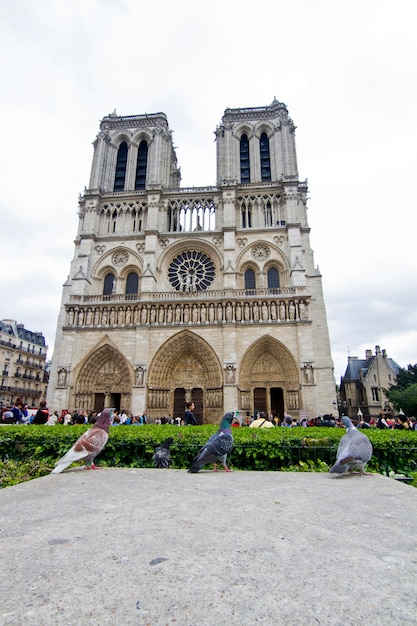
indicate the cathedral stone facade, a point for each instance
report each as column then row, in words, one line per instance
column 206, row 293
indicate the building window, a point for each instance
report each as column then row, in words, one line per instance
column 141, row 166
column 244, row 160
column 191, row 271
column 114, row 221
column 108, row 285
column 250, row 283
column 269, row 220
column 121, row 163
column 247, row 215
column 132, row 284
column 273, row 280
column 375, row 394
column 137, row 220
column 265, row 159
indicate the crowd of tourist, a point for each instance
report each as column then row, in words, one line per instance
column 19, row 413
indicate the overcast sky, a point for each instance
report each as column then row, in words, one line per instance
column 346, row 71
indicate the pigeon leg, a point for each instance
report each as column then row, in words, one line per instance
column 215, row 469
column 92, row 466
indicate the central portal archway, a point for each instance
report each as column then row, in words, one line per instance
column 186, row 362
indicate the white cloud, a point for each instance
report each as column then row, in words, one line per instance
column 346, row 73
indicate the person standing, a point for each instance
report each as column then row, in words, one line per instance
column 261, row 421
column 17, row 411
column 42, row 414
column 189, row 417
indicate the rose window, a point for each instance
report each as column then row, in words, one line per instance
column 191, row 271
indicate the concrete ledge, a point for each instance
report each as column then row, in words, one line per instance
column 157, row 547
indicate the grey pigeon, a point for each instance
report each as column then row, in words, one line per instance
column 162, row 456
column 216, row 448
column 88, row 446
column 354, row 450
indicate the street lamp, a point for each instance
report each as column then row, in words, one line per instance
column 359, row 415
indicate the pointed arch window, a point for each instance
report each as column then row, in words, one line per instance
column 244, row 159
column 108, row 284
column 265, row 158
column 121, row 163
column 247, row 215
column 273, row 280
column 132, row 284
column 142, row 165
column 250, row 282
column 137, row 217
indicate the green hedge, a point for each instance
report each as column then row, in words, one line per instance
column 37, row 448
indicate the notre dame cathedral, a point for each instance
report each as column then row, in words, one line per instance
column 206, row 293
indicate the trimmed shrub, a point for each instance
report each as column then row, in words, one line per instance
column 272, row 449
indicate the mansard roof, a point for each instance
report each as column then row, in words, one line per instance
column 10, row 327
column 357, row 367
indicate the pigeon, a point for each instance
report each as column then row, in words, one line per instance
column 162, row 456
column 216, row 448
column 88, row 446
column 354, row 450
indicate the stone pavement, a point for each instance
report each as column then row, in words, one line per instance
column 133, row 547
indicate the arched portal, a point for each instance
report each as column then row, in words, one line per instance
column 103, row 378
column 269, row 378
column 188, row 363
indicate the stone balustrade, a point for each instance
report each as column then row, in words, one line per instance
column 253, row 311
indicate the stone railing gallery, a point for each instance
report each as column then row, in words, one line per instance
column 244, row 307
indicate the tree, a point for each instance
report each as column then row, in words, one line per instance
column 404, row 398
column 406, row 376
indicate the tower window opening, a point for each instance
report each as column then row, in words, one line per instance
column 265, row 158
column 244, row 160
column 121, row 164
column 142, row 165
column 247, row 216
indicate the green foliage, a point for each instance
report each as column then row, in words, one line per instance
column 35, row 449
column 406, row 376
column 404, row 398
column 15, row 472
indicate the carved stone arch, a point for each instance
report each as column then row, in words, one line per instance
column 169, row 254
column 140, row 136
column 185, row 358
column 105, row 269
column 188, row 362
column 119, row 138
column 131, row 267
column 106, row 262
column 104, row 370
column 268, row 361
column 242, row 129
column 249, row 264
column 277, row 255
column 264, row 127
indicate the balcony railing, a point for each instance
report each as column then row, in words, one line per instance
column 210, row 295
